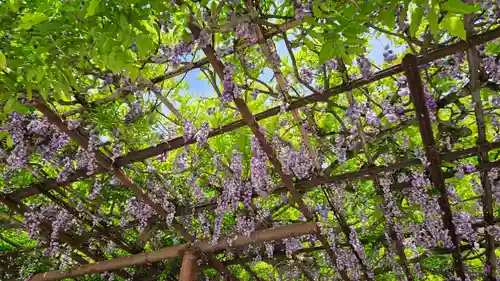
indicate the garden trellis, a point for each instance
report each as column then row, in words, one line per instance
column 290, row 199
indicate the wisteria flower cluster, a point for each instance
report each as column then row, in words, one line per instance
column 59, row 220
column 248, row 32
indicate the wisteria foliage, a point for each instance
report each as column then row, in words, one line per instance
column 126, row 75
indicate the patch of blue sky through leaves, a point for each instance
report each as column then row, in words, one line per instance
column 200, row 87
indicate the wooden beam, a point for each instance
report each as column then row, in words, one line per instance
column 412, row 72
column 251, row 122
column 189, row 268
column 474, row 62
column 279, row 233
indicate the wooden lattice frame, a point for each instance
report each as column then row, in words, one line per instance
column 409, row 66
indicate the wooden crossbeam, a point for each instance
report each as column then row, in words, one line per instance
column 274, row 234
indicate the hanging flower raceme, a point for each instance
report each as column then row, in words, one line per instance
column 165, row 53
column 228, row 84
column 303, row 10
column 356, row 110
column 66, row 171
column 306, row 74
column 372, row 118
column 463, row 225
column 292, row 245
column 188, row 130
column 346, row 260
column 204, row 39
column 181, row 161
column 86, row 161
column 134, row 113
column 202, row 134
column 391, row 209
column 245, row 225
column 196, row 189
column 248, row 32
column 142, row 212
column 464, row 169
column 180, row 50
column 236, row 165
column 59, row 219
column 96, row 190
column 364, row 67
column 492, row 68
column 430, row 103
column 301, row 163
column 33, row 133
column 258, row 174
column 493, row 176
column 205, row 224
column 340, row 148
column 392, row 112
column 139, row 211
column 388, row 54
column 433, row 233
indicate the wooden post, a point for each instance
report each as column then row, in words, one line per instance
column 189, row 268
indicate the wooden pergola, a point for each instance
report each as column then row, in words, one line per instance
column 194, row 249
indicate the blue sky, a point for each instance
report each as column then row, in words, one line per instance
column 201, row 87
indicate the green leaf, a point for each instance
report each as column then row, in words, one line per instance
column 317, row 11
column 326, row 52
column 433, row 16
column 454, row 25
column 132, row 71
column 31, row 19
column 28, row 89
column 144, row 44
column 91, row 9
column 3, row 60
column 416, row 20
column 10, row 141
column 355, row 41
column 14, row 5
column 9, row 106
column 493, row 47
column 354, row 50
column 20, row 107
column 213, row 10
column 341, row 50
column 123, row 22
column 317, row 36
column 459, row 7
column 387, row 16
column 309, row 43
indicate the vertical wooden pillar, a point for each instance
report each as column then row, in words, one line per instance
column 189, row 268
